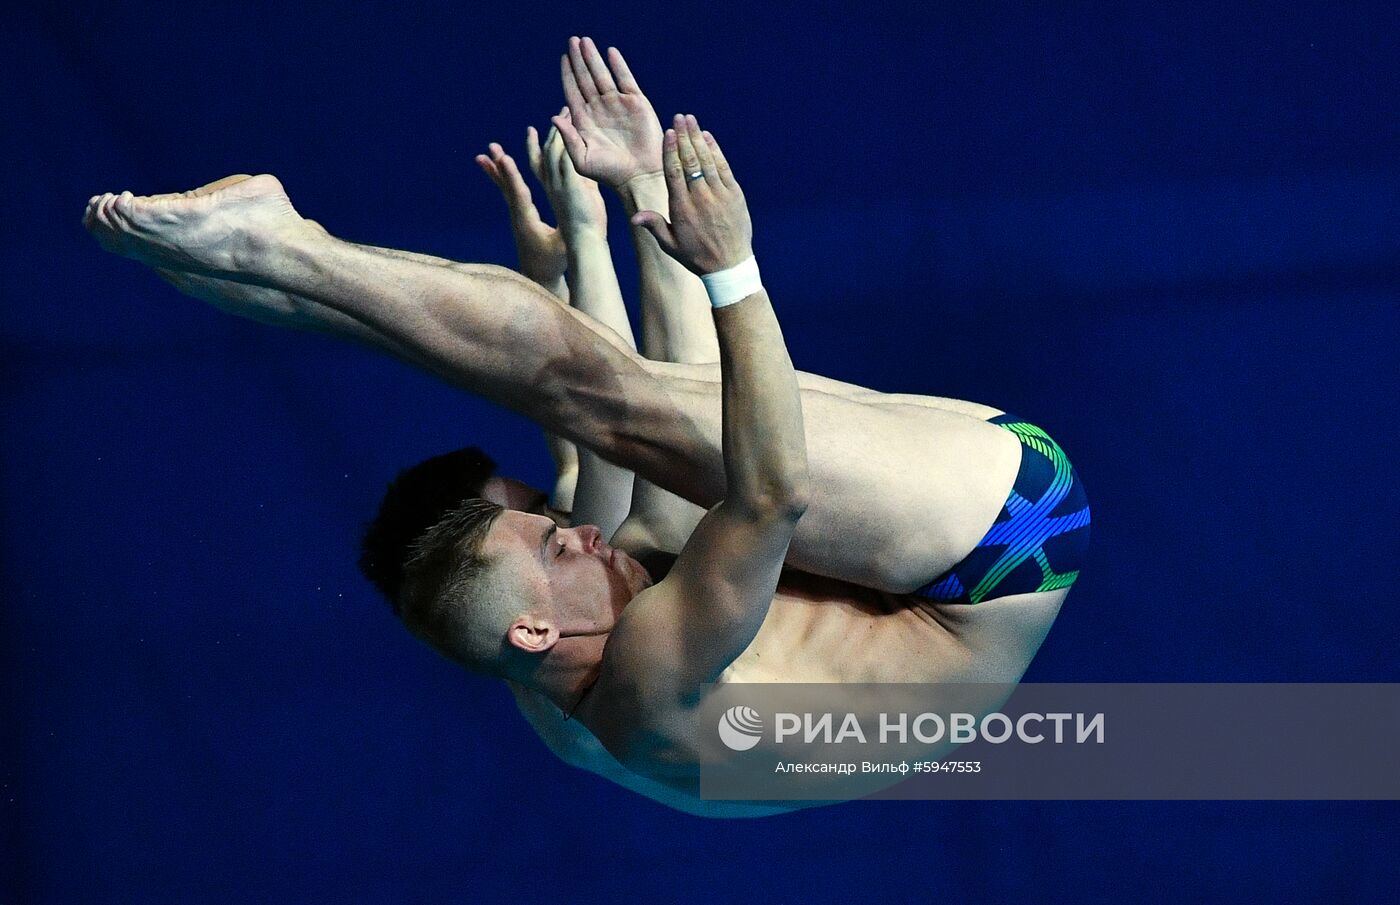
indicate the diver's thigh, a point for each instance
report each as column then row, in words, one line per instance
column 902, row 492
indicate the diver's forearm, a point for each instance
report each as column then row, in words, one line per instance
column 593, row 285
column 603, row 491
column 676, row 321
column 764, row 442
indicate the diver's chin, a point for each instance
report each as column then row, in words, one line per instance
column 640, row 577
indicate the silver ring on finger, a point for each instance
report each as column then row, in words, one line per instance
column 691, row 177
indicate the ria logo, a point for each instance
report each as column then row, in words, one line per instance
column 740, row 728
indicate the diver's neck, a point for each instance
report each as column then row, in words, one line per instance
column 570, row 669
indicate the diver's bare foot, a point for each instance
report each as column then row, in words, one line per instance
column 97, row 220
column 220, row 228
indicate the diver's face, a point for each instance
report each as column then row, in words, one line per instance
column 521, row 497
column 576, row 578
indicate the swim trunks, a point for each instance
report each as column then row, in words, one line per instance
column 1039, row 539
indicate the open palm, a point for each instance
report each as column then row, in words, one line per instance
column 543, row 256
column 612, row 134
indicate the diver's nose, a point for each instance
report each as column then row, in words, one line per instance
column 590, row 536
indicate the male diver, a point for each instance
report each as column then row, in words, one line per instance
column 936, row 546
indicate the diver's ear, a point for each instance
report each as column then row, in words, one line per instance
column 532, row 635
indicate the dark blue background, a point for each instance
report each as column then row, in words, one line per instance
column 1169, row 237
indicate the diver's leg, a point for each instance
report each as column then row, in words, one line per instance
column 902, row 494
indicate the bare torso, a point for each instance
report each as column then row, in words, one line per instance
column 825, row 630
column 817, row 630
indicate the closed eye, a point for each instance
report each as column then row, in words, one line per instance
column 544, row 539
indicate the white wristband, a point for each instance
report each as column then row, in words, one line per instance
column 725, row 287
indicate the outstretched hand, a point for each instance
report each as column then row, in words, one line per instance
column 575, row 199
column 543, row 256
column 613, row 135
column 709, row 227
column 576, row 202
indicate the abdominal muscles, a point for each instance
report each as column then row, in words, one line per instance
column 823, row 630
